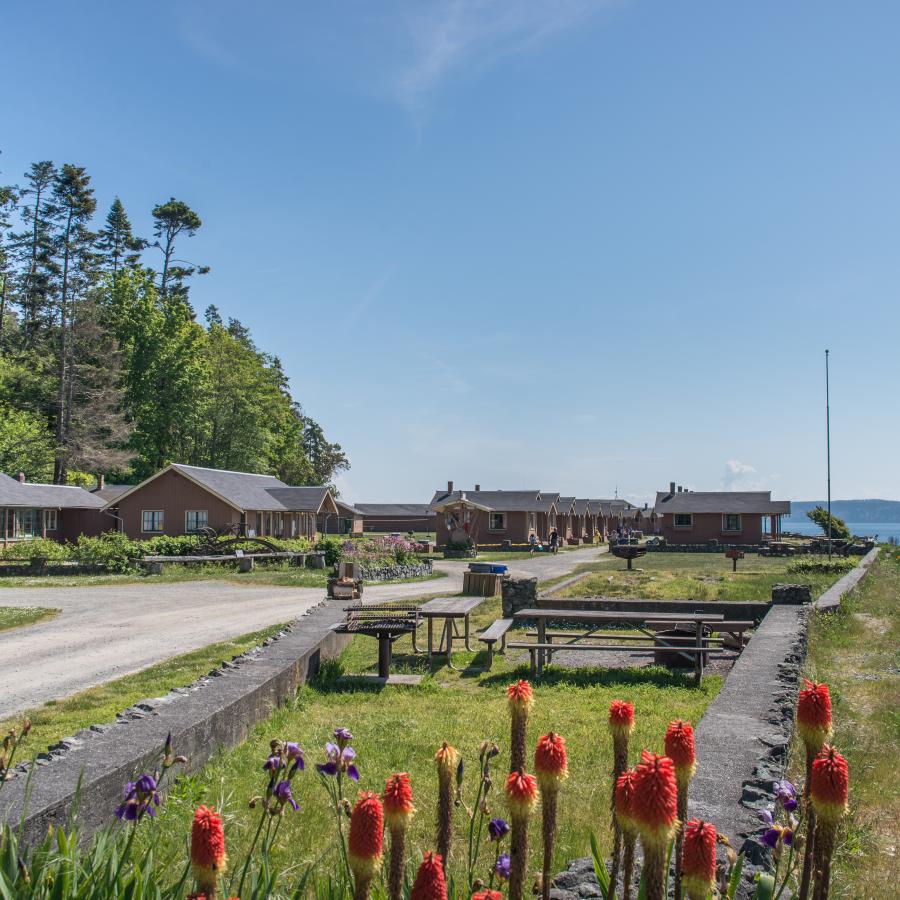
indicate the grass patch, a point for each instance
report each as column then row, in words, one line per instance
column 400, row 728
column 696, row 576
column 59, row 718
column 19, row 616
column 856, row 651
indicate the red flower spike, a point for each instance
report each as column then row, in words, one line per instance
column 447, row 759
column 655, row 801
column 814, row 714
column 699, row 859
column 520, row 696
column 679, row 742
column 208, row 857
column 487, row 894
column 829, row 786
column 624, row 802
column 550, row 761
column 398, row 802
column 366, row 833
column 521, row 794
column 430, row 883
column 621, row 718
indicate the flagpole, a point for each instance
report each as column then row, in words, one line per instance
column 828, row 448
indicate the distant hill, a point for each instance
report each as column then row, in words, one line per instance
column 849, row 510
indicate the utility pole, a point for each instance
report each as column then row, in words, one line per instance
column 828, row 449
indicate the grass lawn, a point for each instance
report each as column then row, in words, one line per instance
column 277, row 574
column 17, row 616
column 60, row 718
column 856, row 651
column 400, row 728
column 698, row 576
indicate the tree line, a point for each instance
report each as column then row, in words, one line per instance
column 104, row 366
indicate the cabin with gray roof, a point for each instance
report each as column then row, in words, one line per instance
column 53, row 511
column 729, row 517
column 184, row 499
column 386, row 518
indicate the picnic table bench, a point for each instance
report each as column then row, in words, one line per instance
column 496, row 631
column 449, row 609
column 385, row 621
column 692, row 647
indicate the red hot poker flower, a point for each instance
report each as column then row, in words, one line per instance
column 621, row 718
column 699, row 859
column 520, row 696
column 655, row 802
column 447, row 759
column 430, row 883
column 366, row 833
column 829, row 786
column 550, row 761
column 521, row 794
column 624, row 802
column 679, row 743
column 814, row 714
column 208, row 857
column 487, row 894
column 398, row 802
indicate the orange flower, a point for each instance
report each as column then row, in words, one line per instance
column 430, row 883
column 487, row 894
column 550, row 761
column 698, row 861
column 520, row 696
column 679, row 743
column 829, row 786
column 208, row 857
column 521, row 794
column 624, row 802
column 398, row 802
column 655, row 802
column 366, row 832
column 447, row 759
column 621, row 718
column 814, row 714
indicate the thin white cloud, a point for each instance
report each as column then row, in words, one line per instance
column 741, row 476
column 370, row 296
column 455, row 34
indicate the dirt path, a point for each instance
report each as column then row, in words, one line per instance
column 109, row 631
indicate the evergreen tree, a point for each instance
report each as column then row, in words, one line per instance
column 8, row 204
column 117, row 243
column 171, row 219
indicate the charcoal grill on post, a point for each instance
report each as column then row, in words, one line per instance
column 627, row 551
column 387, row 622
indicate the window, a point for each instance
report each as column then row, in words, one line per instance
column 195, row 519
column 731, row 522
column 497, row 521
column 152, row 520
column 684, row 520
column 50, row 519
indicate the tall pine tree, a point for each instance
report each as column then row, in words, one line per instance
column 116, row 241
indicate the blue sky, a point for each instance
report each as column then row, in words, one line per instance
column 571, row 245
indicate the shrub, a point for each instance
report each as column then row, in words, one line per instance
column 111, row 549
column 332, row 548
column 37, row 548
column 820, row 567
column 168, row 545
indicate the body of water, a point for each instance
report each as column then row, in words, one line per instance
column 884, row 530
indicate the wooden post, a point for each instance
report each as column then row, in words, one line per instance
column 384, row 656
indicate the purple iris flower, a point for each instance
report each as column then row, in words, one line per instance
column 343, row 736
column 284, row 796
column 787, row 794
column 776, row 832
column 293, row 751
column 501, row 868
column 497, row 828
column 273, row 764
column 339, row 759
column 141, row 797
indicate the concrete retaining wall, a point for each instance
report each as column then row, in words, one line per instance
column 832, row 597
column 218, row 710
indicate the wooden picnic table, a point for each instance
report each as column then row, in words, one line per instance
column 449, row 609
column 593, row 620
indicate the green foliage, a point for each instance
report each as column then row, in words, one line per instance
column 821, row 566
column 839, row 529
column 112, row 549
column 331, row 547
column 38, row 548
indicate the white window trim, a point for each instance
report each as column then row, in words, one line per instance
column 51, row 519
column 490, row 517
column 162, row 514
column 690, row 523
column 187, row 512
column 740, row 524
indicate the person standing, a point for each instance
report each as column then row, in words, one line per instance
column 554, row 541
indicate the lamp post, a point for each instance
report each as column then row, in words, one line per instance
column 828, row 449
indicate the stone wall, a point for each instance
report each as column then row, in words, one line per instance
column 518, row 593
column 792, row 593
column 397, row 572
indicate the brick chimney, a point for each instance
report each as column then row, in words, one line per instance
column 680, row 488
column 101, row 481
column 477, row 487
column 449, row 487
column 21, row 478
column 671, row 487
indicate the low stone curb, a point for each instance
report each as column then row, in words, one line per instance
column 398, row 572
column 219, row 710
column 831, row 599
